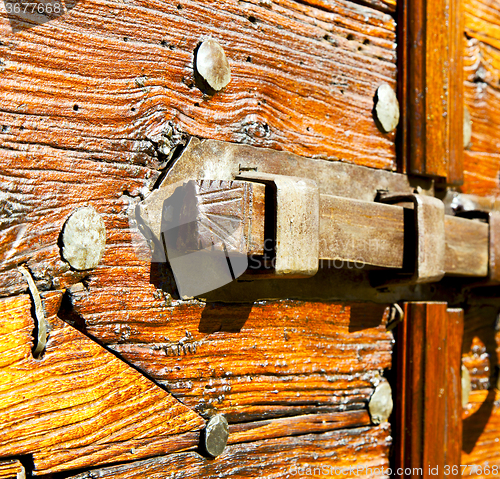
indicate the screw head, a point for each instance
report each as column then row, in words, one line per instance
column 216, row 435
column 84, row 239
column 380, row 405
column 212, row 65
column 386, row 108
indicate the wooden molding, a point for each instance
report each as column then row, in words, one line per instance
column 428, row 420
column 431, row 88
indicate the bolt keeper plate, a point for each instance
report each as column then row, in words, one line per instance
column 430, row 236
column 297, row 223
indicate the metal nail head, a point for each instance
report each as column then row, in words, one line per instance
column 380, row 405
column 216, row 435
column 84, row 239
column 386, row 108
column 212, row 64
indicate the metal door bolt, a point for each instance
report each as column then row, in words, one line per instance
column 380, row 405
column 386, row 108
column 212, row 65
column 84, row 239
column 216, row 435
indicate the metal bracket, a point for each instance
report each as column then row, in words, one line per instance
column 314, row 212
column 297, row 223
column 430, row 235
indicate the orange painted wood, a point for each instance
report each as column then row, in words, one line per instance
column 77, row 396
column 248, row 361
column 295, row 456
column 428, row 411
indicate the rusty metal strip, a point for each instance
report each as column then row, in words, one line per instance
column 219, row 160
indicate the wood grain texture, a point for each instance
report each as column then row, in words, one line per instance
column 238, row 433
column 78, row 395
column 117, row 77
column 359, row 447
column 480, row 435
column 12, row 469
column 40, row 192
column 481, row 416
column 482, row 95
column 428, row 407
column 431, row 88
column 382, row 5
column 453, row 392
column 248, row 361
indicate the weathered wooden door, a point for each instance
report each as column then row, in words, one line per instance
column 234, row 233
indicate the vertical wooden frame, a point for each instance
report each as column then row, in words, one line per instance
column 430, row 34
column 456, row 94
column 428, row 420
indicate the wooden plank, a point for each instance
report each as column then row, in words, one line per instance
column 295, row 426
column 433, row 381
column 12, row 469
column 482, row 95
column 429, row 41
column 78, row 395
column 428, row 407
column 301, row 75
column 382, row 5
column 480, row 435
column 359, row 447
column 455, row 111
column 238, row 433
column 42, row 195
column 247, row 361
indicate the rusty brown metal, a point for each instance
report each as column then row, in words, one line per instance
column 218, row 160
column 296, row 221
column 429, row 236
